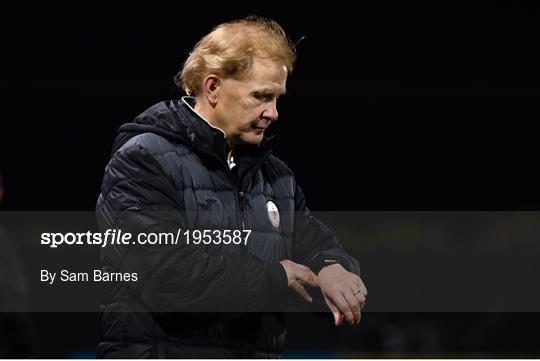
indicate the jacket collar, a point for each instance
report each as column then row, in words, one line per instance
column 203, row 136
column 212, row 141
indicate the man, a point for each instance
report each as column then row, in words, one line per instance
column 203, row 163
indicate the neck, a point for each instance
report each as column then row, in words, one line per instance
column 205, row 111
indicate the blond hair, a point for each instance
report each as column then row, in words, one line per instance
column 229, row 49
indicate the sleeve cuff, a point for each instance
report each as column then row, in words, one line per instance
column 277, row 276
column 321, row 262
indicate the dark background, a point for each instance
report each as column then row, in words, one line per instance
column 390, row 107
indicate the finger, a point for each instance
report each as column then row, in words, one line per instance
column 363, row 288
column 353, row 304
column 362, row 304
column 343, row 307
column 361, row 300
column 338, row 317
column 362, row 295
column 302, row 291
column 313, row 279
column 307, row 276
column 304, row 267
column 360, row 290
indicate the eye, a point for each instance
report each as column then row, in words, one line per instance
column 265, row 97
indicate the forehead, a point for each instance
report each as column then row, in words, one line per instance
column 267, row 75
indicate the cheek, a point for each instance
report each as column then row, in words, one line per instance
column 240, row 113
column 250, row 119
column 247, row 116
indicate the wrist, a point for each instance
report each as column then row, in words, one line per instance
column 321, row 264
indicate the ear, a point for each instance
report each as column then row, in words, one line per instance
column 211, row 86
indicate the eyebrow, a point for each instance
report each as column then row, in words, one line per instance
column 269, row 91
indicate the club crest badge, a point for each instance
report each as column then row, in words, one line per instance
column 273, row 213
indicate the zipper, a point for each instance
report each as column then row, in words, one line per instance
column 240, row 184
column 242, row 209
column 240, row 199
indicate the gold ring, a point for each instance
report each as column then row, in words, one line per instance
column 357, row 292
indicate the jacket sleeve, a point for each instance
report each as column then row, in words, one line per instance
column 138, row 197
column 314, row 242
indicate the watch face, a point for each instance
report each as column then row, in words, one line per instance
column 324, row 263
column 330, row 261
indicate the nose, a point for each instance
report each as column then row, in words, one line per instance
column 270, row 112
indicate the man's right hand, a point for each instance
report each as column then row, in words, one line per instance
column 299, row 275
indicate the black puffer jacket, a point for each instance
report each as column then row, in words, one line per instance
column 168, row 171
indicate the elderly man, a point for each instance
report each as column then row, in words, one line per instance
column 202, row 163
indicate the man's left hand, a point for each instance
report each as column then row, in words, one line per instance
column 344, row 293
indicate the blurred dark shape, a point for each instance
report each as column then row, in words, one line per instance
column 17, row 333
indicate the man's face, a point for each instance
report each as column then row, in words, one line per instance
column 246, row 108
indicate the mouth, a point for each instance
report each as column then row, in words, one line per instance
column 258, row 129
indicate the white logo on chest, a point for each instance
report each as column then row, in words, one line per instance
column 273, row 213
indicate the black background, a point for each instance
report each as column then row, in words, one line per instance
column 391, row 106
